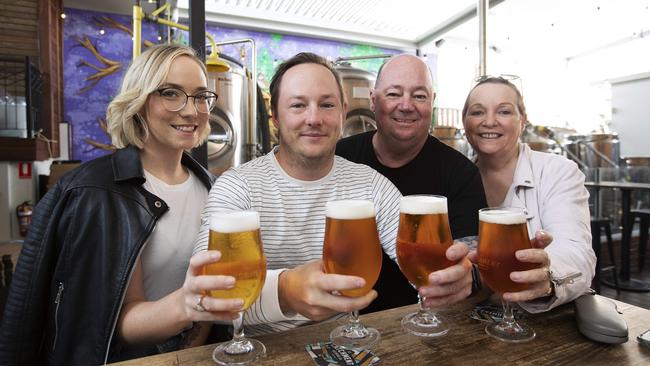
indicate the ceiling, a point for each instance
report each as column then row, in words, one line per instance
column 569, row 28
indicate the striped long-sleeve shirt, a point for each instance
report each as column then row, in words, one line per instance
column 292, row 220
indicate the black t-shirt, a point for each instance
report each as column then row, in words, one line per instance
column 437, row 169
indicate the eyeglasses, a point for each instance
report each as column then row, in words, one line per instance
column 174, row 99
column 507, row 77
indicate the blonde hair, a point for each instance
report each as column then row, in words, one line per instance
column 146, row 73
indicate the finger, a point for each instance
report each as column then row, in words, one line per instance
column 442, row 290
column 535, row 292
column 448, row 300
column 457, row 251
column 344, row 304
column 473, row 256
column 533, row 256
column 530, row 276
column 451, row 274
column 200, row 259
column 541, row 239
column 335, row 282
column 211, row 282
column 212, row 304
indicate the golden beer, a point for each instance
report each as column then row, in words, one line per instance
column 501, row 233
column 351, row 245
column 423, row 237
column 237, row 236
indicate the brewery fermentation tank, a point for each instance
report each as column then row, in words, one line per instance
column 229, row 118
column 357, row 84
column 239, row 122
column 453, row 137
column 598, row 150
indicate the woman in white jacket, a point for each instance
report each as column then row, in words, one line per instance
column 550, row 188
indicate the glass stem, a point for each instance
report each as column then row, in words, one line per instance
column 508, row 316
column 354, row 319
column 238, row 329
column 423, row 308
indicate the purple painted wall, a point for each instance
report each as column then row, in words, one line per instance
column 86, row 99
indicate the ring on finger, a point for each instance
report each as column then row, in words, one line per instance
column 199, row 304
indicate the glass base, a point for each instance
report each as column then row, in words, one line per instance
column 241, row 352
column 355, row 337
column 515, row 333
column 425, row 324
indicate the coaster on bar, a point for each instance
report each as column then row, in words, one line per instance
column 327, row 354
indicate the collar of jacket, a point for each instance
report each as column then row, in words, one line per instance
column 127, row 166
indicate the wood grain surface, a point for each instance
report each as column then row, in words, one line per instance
column 558, row 342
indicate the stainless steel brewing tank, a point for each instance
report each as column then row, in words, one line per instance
column 229, row 119
column 357, row 84
column 589, row 148
column 453, row 137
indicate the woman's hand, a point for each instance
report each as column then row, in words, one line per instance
column 197, row 304
column 539, row 278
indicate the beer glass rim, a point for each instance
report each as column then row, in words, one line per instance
column 234, row 221
column 431, row 204
column 492, row 212
column 350, row 209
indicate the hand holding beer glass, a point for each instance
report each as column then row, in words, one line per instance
column 423, row 238
column 502, row 232
column 236, row 234
column 352, row 248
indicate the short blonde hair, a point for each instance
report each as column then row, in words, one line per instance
column 146, row 73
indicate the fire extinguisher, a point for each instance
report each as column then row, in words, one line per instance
column 24, row 212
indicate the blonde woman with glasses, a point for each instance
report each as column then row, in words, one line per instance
column 548, row 187
column 105, row 272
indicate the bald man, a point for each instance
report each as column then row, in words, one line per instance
column 416, row 163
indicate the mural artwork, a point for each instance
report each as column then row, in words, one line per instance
column 98, row 47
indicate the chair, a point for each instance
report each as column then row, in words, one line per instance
column 598, row 224
column 644, row 217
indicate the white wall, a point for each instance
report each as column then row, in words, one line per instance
column 631, row 114
column 13, row 191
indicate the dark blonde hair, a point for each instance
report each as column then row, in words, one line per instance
column 146, row 73
column 498, row 80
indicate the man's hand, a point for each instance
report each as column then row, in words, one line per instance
column 452, row 284
column 311, row 292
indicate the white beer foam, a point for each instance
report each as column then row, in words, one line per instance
column 423, row 205
column 234, row 221
column 503, row 217
column 350, row 209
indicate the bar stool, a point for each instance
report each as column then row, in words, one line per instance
column 598, row 223
column 644, row 217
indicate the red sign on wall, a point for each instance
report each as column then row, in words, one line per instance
column 24, row 170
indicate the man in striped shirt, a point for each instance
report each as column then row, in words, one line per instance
column 289, row 188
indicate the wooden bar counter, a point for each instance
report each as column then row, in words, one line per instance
column 558, row 342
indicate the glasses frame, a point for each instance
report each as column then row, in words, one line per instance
column 160, row 91
column 515, row 80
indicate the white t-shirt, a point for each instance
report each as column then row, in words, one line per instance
column 167, row 253
column 292, row 220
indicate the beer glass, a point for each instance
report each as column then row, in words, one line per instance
column 351, row 247
column 236, row 234
column 503, row 231
column 422, row 241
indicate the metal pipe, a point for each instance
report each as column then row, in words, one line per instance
column 253, row 144
column 599, row 154
column 482, row 35
column 138, row 14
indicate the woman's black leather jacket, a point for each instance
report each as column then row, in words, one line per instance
column 75, row 264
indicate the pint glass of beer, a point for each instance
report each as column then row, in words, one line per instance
column 236, row 234
column 422, row 241
column 352, row 248
column 502, row 232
